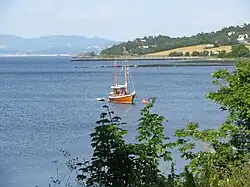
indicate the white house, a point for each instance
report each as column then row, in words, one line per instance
column 208, row 46
column 242, row 37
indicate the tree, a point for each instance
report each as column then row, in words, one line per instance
column 110, row 163
column 216, row 45
column 175, row 54
column 195, row 53
column 229, row 144
column 117, row 163
column 187, row 54
column 222, row 54
column 152, row 146
column 93, row 53
column 240, row 51
column 204, row 53
column 234, row 96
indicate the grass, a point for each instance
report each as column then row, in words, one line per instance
column 191, row 49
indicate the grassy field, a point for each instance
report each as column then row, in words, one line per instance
column 190, row 49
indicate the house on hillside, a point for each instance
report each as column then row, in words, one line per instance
column 143, row 47
column 211, row 53
column 242, row 38
column 209, row 46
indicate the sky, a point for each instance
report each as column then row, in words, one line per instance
column 119, row 20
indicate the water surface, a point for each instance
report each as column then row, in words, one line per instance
column 49, row 103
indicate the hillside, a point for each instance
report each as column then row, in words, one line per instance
column 152, row 44
column 190, row 49
column 54, row 44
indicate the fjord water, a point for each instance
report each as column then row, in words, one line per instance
column 49, row 103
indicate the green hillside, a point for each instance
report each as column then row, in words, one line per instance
column 152, row 44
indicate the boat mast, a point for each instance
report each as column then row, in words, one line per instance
column 115, row 77
column 125, row 70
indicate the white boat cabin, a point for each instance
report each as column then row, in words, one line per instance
column 119, row 90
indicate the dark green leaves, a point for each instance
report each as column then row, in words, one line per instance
column 228, row 146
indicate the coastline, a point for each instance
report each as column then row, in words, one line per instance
column 172, row 64
column 162, row 61
column 185, row 64
column 159, row 61
column 150, row 58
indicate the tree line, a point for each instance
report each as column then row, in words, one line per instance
column 236, row 51
column 239, row 50
column 194, row 53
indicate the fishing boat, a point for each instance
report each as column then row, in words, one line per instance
column 121, row 92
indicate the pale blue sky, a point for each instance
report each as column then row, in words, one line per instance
column 119, row 19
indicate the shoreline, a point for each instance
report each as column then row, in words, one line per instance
column 144, row 58
column 183, row 64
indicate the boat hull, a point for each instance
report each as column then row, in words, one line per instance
column 124, row 99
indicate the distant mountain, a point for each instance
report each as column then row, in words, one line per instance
column 53, row 44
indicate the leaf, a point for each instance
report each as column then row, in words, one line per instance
column 103, row 115
column 85, row 170
column 103, row 121
column 81, row 177
column 79, row 164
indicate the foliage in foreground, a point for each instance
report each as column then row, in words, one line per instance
column 118, row 163
column 230, row 143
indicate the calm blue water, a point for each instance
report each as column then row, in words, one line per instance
column 47, row 103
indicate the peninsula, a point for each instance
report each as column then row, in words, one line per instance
column 227, row 43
